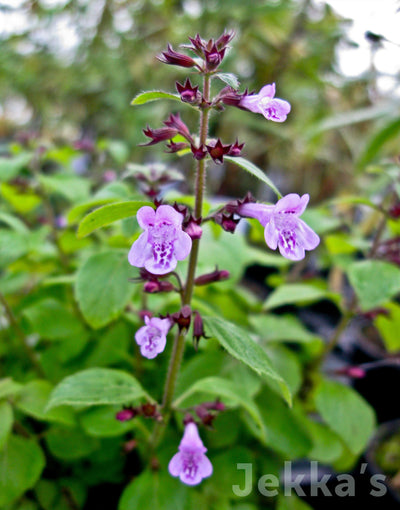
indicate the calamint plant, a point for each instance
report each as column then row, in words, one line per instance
column 173, row 232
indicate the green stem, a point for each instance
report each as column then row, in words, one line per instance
column 179, row 342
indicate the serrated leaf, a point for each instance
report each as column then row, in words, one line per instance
column 255, row 171
column 222, row 388
column 374, row 281
column 107, row 214
column 228, row 78
column 32, row 401
column 96, row 386
column 241, row 346
column 346, row 413
column 102, row 287
column 154, row 95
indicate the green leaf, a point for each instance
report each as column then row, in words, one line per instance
column 33, row 398
column 156, row 490
column 11, row 167
column 293, row 293
column 21, row 464
column 378, row 140
column 9, row 388
column 242, row 347
column 51, row 320
column 154, row 95
column 254, row 170
column 97, row 386
column 107, row 214
column 6, row 422
column 70, row 444
column 346, row 413
column 291, row 502
column 374, row 282
column 286, row 433
column 389, row 327
column 101, row 422
column 79, row 210
column 102, row 288
column 228, row 78
column 224, row 389
column 74, row 189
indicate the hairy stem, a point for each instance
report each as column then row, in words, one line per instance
column 179, row 342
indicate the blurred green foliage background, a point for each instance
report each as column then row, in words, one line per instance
column 72, row 67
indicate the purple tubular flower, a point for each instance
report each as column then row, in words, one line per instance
column 152, row 337
column 162, row 243
column 190, row 463
column 265, row 103
column 283, row 227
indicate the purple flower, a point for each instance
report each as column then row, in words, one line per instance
column 283, row 227
column 153, row 336
column 190, row 463
column 265, row 103
column 162, row 243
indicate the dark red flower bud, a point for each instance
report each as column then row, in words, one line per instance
column 176, row 147
column 198, row 152
column 188, row 418
column 183, row 317
column 155, row 286
column 159, row 135
column 375, row 312
column 227, row 221
column 394, row 211
column 215, row 276
column 126, row 414
column 148, row 410
column 193, row 228
column 188, row 93
column 217, row 151
column 213, row 57
column 175, row 122
column 182, row 209
column 217, row 405
column 206, row 417
column 236, row 149
column 198, row 330
column 174, row 58
column 353, row 372
column 230, row 96
column 198, row 44
column 224, row 39
column 145, row 313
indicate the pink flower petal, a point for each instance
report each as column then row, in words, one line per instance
column 183, row 245
column 292, row 203
column 146, row 216
column 267, row 91
column 271, row 235
column 308, row 237
column 175, row 465
column 140, row 250
column 155, row 267
column 168, row 213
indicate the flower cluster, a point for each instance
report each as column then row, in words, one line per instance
column 173, row 232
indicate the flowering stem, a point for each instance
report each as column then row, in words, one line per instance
column 179, row 343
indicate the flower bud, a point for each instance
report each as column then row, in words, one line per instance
column 159, row 135
column 126, row 414
column 215, row 276
column 188, row 93
column 198, row 152
column 193, row 228
column 217, row 151
column 172, row 57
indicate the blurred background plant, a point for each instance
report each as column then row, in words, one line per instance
column 68, row 143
